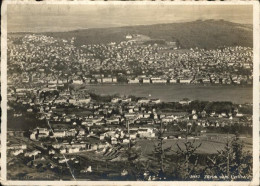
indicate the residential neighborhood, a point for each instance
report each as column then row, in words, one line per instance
column 39, row 59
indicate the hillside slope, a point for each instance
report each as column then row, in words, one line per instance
column 207, row 34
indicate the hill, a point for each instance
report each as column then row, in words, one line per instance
column 208, row 34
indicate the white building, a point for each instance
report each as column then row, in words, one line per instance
column 143, row 100
column 146, row 80
column 131, row 81
column 173, row 80
column 158, row 80
column 146, row 132
column 107, row 80
column 185, row 81
column 59, row 133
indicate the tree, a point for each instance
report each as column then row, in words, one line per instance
column 231, row 163
column 132, row 155
column 188, row 160
column 159, row 152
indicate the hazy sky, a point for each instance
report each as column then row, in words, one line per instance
column 39, row 18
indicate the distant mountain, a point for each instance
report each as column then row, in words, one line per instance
column 206, row 34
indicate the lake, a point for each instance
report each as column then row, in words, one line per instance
column 167, row 93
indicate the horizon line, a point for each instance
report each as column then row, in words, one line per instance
column 80, row 29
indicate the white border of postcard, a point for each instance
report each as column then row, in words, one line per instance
column 256, row 50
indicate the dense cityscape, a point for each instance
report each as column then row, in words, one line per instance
column 36, row 59
column 59, row 130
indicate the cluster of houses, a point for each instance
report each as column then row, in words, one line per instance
column 121, row 119
column 41, row 59
column 117, row 111
column 102, row 129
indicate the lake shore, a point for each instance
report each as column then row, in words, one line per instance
column 175, row 92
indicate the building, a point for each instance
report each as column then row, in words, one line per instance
column 145, row 132
column 173, row 80
column 79, row 82
column 107, row 80
column 158, row 80
column 59, row 133
column 185, row 81
column 143, row 100
column 128, row 36
column 115, row 100
column 146, row 80
column 156, row 101
column 17, row 146
column 185, row 102
column 132, row 81
column 84, row 100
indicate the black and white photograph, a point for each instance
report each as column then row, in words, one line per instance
column 130, row 91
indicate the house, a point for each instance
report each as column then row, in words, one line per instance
column 112, row 120
column 128, row 36
column 107, row 80
column 73, row 150
column 17, row 147
column 146, row 115
column 156, row 101
column 126, row 100
column 114, row 79
column 145, row 132
column 81, row 132
column 113, row 141
column 17, row 152
column 33, row 136
column 88, row 122
column 143, row 100
column 81, row 145
column 71, row 132
column 43, row 131
column 32, row 153
column 102, row 137
column 195, row 117
column 62, row 160
column 212, row 114
column 239, row 115
column 173, row 80
column 146, row 80
column 86, row 170
column 59, row 133
column 203, row 114
column 132, row 81
column 51, row 151
column 224, row 114
column 115, row 100
column 167, row 119
column 185, row 102
column 132, row 135
column 206, row 81
column 185, row 81
column 72, row 101
column 84, row 100
column 63, row 151
column 126, row 141
column 79, row 82
column 158, row 80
